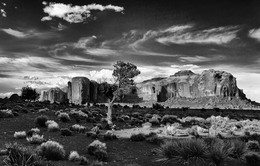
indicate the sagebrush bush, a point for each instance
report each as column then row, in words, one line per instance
column 64, row 117
column 52, row 126
column 78, row 128
column 169, row 119
column 6, row 113
column 20, row 134
column 83, row 160
column 238, row 149
column 109, row 135
column 74, row 156
column 41, row 120
column 155, row 140
column 51, row 150
column 186, row 151
column 97, row 163
column 253, row 145
column 35, row 139
column 154, row 121
column 218, row 152
column 96, row 145
column 78, row 114
column 252, row 158
column 100, row 154
column 66, row 132
column 35, row 130
column 137, row 137
column 19, row 155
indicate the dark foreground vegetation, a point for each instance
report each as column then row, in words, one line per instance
column 40, row 133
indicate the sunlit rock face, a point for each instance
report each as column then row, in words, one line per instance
column 53, row 95
column 80, row 91
column 186, row 84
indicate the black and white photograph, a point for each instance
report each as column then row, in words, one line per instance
column 130, row 82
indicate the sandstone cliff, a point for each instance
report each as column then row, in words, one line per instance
column 53, row 95
column 186, row 84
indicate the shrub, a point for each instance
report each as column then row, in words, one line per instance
column 183, row 151
column 74, row 156
column 78, row 128
column 137, row 137
column 64, row 117
column 238, row 149
column 100, row 154
column 22, row 156
column 35, row 139
column 51, row 150
column 169, row 119
column 66, row 132
column 78, row 114
column 20, row 134
column 97, row 163
column 218, row 152
column 154, row 140
column 96, row 145
column 35, row 130
column 252, row 158
column 95, row 130
column 109, row 135
column 154, row 121
column 6, row 113
column 253, row 146
column 52, row 126
column 83, row 160
column 32, row 131
column 41, row 120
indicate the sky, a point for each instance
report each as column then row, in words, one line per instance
column 44, row 44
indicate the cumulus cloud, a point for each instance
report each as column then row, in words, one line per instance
column 103, row 75
column 74, row 14
column 220, row 35
column 254, row 33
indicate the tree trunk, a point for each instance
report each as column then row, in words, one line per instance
column 109, row 111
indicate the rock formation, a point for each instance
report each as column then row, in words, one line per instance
column 178, row 88
column 80, row 90
column 186, row 84
column 53, row 95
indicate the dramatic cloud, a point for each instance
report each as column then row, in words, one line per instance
column 15, row 33
column 74, row 14
column 254, row 33
column 220, row 35
column 30, row 33
column 198, row 59
column 85, row 47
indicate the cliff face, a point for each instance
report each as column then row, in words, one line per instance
column 186, row 84
column 53, row 95
column 183, row 85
